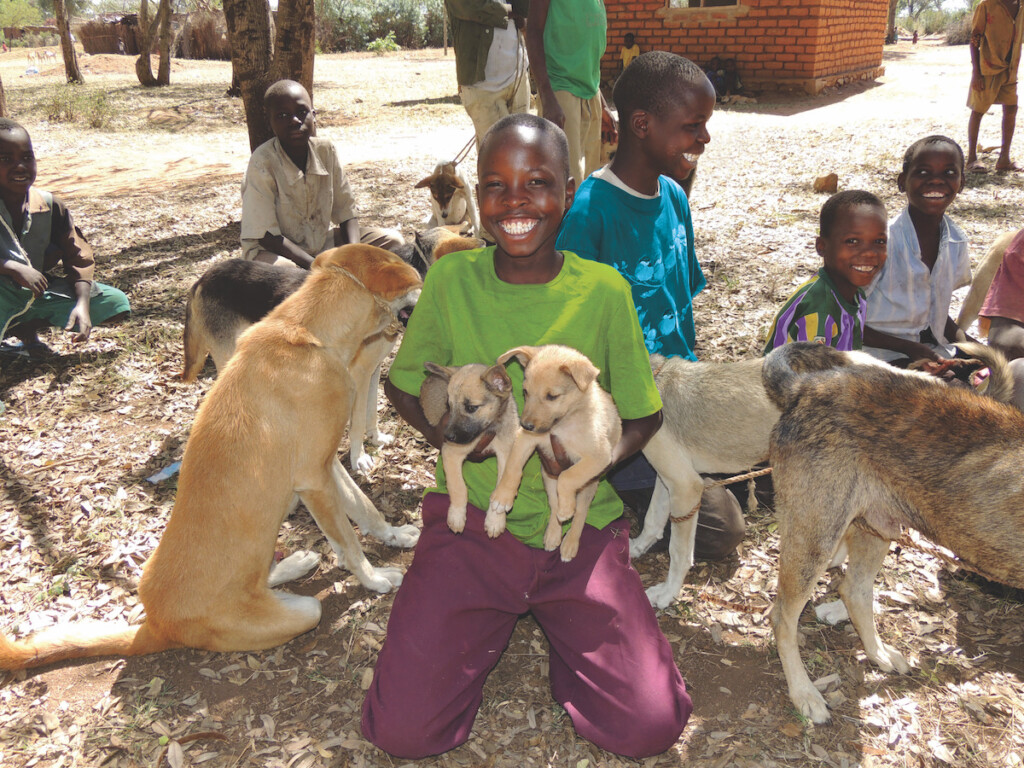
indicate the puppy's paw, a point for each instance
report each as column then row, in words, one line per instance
column 494, row 523
column 457, row 518
column 810, row 703
column 552, row 538
column 381, row 438
column 404, row 536
column 500, row 503
column 384, row 579
column 295, row 566
column 361, row 462
column 569, row 547
column 662, row 595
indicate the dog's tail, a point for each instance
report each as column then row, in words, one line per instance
column 195, row 351
column 79, row 641
column 999, row 383
column 983, row 280
column 785, row 366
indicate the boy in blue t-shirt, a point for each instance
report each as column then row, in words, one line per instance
column 633, row 216
column 829, row 308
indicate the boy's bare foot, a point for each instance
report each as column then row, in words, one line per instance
column 976, row 166
column 1010, row 167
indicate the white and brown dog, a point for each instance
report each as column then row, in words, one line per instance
column 451, row 197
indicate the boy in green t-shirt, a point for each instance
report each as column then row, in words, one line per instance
column 611, row 668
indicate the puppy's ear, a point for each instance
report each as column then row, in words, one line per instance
column 424, row 182
column 434, row 398
column 497, row 381
column 523, row 354
column 439, row 370
column 581, row 370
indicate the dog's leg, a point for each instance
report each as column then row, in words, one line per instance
column 293, row 567
column 328, row 506
column 263, row 621
column 365, row 392
column 678, row 490
column 573, row 479
column 508, row 483
column 866, row 554
column 373, row 433
column 571, row 542
column 196, row 344
column 452, row 458
column 369, row 519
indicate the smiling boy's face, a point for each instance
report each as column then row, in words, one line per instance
column 291, row 117
column 674, row 141
column 933, row 179
column 523, row 192
column 854, row 251
column 17, row 164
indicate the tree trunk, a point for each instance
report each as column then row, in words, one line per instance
column 147, row 29
column 163, row 74
column 67, row 47
column 890, row 22
column 255, row 63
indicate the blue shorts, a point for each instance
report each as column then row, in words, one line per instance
column 55, row 305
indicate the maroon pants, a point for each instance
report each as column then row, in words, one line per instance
column 611, row 667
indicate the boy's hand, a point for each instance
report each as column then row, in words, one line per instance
column 30, row 278
column 553, row 465
column 609, row 130
column 80, row 316
column 977, row 82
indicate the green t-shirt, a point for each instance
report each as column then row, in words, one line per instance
column 467, row 315
column 575, row 37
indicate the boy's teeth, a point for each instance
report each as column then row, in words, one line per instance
column 692, row 159
column 518, row 226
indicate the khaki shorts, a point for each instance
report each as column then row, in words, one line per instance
column 999, row 89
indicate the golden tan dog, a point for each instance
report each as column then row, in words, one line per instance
column 481, row 413
column 861, row 452
column 563, row 400
column 266, row 436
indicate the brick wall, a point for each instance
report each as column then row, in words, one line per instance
column 796, row 44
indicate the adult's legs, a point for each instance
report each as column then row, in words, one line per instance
column 1004, row 163
column 973, row 129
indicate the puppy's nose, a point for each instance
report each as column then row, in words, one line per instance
column 527, row 425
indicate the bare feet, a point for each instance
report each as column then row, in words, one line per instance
column 976, row 166
column 1008, row 167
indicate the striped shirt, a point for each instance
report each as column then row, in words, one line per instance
column 816, row 312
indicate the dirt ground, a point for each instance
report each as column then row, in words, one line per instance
column 156, row 191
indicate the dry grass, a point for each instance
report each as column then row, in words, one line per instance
column 157, row 193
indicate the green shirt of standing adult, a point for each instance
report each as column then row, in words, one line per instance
column 565, row 40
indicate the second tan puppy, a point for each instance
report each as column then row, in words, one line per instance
column 482, row 413
column 561, row 399
column 266, row 436
column 861, row 452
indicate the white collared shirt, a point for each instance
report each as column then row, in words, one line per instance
column 906, row 298
column 303, row 206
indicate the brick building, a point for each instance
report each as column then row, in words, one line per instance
column 777, row 44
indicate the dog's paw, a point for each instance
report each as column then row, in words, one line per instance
column 662, row 595
column 362, row 463
column 381, row 438
column 810, row 703
column 457, row 518
column 833, row 612
column 494, row 523
column 552, row 539
column 888, row 659
column 500, row 503
column 384, row 579
column 295, row 566
column 639, row 545
column 404, row 536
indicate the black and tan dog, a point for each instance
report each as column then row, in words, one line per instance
column 861, row 452
column 266, row 436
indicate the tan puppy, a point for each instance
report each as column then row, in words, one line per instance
column 563, row 400
column 861, row 452
column 481, row 413
column 266, row 436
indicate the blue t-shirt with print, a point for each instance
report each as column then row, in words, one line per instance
column 650, row 242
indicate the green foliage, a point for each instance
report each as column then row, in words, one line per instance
column 72, row 103
column 383, row 45
column 19, row 13
column 353, row 25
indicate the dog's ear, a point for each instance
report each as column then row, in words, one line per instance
column 497, row 381
column 424, row 182
column 523, row 354
column 581, row 371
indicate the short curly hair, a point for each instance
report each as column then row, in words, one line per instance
column 841, row 201
column 550, row 131
column 653, row 82
column 927, row 142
